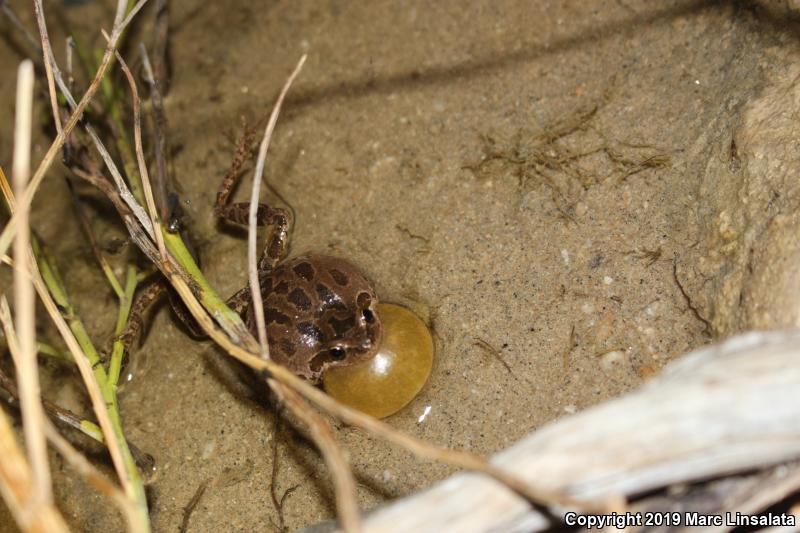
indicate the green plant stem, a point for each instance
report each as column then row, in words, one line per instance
column 56, row 287
column 208, row 297
column 92, row 430
column 125, row 303
column 53, row 352
column 112, row 101
column 112, row 279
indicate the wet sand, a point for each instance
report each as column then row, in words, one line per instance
column 524, row 176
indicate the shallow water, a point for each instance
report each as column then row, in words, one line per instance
column 523, row 176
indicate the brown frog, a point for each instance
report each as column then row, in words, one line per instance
column 320, row 311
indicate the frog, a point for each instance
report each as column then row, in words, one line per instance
column 323, row 319
column 320, row 311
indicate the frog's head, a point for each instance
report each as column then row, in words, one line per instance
column 347, row 318
column 320, row 312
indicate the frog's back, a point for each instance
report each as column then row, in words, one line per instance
column 319, row 311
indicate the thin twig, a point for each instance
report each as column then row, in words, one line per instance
column 278, row 502
column 255, row 286
column 118, row 450
column 321, row 432
column 25, row 300
column 143, row 173
column 95, row 478
column 48, row 69
column 163, row 187
column 119, row 25
column 16, row 485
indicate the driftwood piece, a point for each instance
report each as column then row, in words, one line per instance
column 722, row 410
column 747, row 494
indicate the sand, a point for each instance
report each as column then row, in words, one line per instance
column 532, row 178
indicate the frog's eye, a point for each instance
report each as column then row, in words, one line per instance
column 337, row 353
column 369, row 316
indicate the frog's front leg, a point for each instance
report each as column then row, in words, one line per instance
column 143, row 300
column 141, row 303
column 238, row 213
column 239, row 301
column 279, row 219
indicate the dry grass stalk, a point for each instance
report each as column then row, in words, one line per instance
column 120, row 23
column 163, row 179
column 93, row 476
column 255, row 286
column 83, row 364
column 51, row 84
column 321, row 432
column 145, row 175
column 27, row 509
column 24, row 301
column 16, row 485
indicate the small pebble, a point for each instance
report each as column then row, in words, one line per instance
column 209, row 448
column 612, row 359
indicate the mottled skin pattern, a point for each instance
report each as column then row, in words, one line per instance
column 319, row 310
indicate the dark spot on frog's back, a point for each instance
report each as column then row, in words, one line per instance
column 300, row 299
column 266, row 284
column 282, row 287
column 304, row 270
column 311, row 332
column 328, row 298
column 339, row 276
column 273, row 315
column 287, row 347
